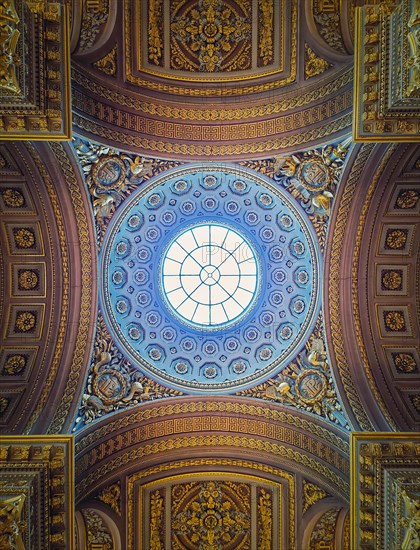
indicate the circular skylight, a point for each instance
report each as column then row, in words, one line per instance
column 209, row 275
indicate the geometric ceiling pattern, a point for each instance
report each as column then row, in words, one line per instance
column 213, row 290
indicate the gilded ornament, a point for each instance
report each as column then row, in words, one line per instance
column 314, row 65
column 404, row 362
column 108, row 63
column 265, row 518
column 9, row 38
column 4, row 403
column 25, row 321
column 156, row 521
column 407, row 199
column 14, row 365
column 392, row 280
column 13, row 198
column 112, row 496
column 28, row 279
column 394, row 321
column 24, row 237
column 97, row 533
column 12, row 526
column 311, row 494
column 155, row 43
column 315, row 175
column 212, row 517
column 414, row 41
column 411, row 520
column 306, row 383
column 207, row 34
column 266, row 29
column 396, row 239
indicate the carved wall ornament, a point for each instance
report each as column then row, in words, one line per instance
column 97, row 533
column 108, row 63
column 112, row 496
column 94, row 17
column 12, row 526
column 212, row 36
column 10, row 58
column 206, row 40
column 111, row 176
column 323, row 533
column 314, row 65
column 314, row 175
column 327, row 15
column 311, row 494
column 306, row 383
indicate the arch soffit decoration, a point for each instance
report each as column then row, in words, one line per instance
column 376, row 360
column 48, row 284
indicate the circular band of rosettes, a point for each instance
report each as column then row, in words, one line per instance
column 211, row 278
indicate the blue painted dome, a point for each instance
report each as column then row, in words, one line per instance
column 210, row 278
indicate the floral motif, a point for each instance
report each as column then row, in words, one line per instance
column 314, row 65
column 25, row 321
column 394, row 321
column 405, row 362
column 396, row 239
column 212, row 518
column 209, row 32
column 14, row 365
column 392, row 280
column 24, row 237
column 13, row 198
column 28, row 279
column 407, row 199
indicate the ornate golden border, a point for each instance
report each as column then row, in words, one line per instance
column 198, row 91
column 144, row 104
column 334, row 283
column 226, row 407
column 189, row 149
column 355, row 293
column 87, row 295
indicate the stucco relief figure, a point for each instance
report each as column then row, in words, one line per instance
column 412, row 523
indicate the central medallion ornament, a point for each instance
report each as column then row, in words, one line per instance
column 210, row 279
column 210, row 275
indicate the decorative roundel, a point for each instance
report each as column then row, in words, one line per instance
column 210, row 278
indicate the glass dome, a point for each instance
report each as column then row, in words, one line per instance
column 210, row 278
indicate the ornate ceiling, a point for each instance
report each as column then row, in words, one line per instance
column 212, row 285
